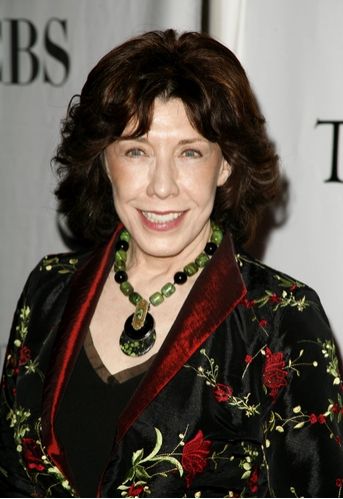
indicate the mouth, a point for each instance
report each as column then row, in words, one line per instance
column 166, row 220
column 161, row 218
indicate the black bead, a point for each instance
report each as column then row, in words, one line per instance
column 120, row 276
column 210, row 249
column 180, row 277
column 122, row 245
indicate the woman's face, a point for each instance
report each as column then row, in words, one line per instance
column 164, row 183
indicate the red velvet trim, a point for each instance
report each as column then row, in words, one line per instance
column 85, row 288
column 216, row 292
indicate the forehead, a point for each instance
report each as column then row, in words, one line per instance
column 169, row 117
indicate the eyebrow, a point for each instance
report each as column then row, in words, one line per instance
column 181, row 142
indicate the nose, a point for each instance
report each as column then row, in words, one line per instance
column 163, row 178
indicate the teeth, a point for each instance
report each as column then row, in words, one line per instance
column 159, row 218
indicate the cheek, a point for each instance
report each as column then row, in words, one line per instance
column 203, row 183
column 126, row 188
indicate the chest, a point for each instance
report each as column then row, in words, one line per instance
column 108, row 321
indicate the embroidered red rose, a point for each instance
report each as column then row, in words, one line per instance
column 24, row 355
column 135, row 490
column 274, row 374
column 253, row 481
column 262, row 323
column 32, row 454
column 321, row 419
column 222, row 392
column 248, row 303
column 335, row 409
column 274, row 298
column 248, row 358
column 194, row 456
column 313, row 418
column 339, row 482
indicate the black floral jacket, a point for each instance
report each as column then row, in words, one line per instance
column 244, row 399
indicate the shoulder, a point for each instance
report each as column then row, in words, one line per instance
column 55, row 270
column 259, row 275
column 282, row 300
column 263, row 280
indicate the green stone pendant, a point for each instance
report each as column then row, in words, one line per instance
column 136, row 342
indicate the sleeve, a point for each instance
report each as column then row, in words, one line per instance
column 303, row 429
column 14, row 481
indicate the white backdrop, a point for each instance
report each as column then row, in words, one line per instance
column 292, row 51
column 47, row 48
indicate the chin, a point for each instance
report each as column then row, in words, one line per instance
column 161, row 252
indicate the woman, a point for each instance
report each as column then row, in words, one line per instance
column 163, row 361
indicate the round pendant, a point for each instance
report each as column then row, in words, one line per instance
column 138, row 342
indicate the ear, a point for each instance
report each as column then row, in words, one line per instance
column 224, row 173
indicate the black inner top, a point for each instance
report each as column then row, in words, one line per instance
column 87, row 419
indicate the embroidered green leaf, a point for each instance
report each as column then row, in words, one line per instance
column 137, row 456
column 246, row 475
column 65, row 484
column 171, row 460
column 54, row 263
column 158, row 445
column 141, row 473
column 299, row 425
column 246, row 466
column 130, row 475
column 287, row 282
column 3, row 471
column 123, row 487
column 53, row 469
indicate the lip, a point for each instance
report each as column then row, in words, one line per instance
column 162, row 226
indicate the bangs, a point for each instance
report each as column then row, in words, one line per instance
column 137, row 107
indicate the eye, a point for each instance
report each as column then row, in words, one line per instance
column 134, row 152
column 191, row 153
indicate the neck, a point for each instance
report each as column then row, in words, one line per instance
column 155, row 266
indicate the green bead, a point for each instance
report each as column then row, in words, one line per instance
column 191, row 269
column 119, row 265
column 201, row 260
column 134, row 297
column 125, row 236
column 217, row 236
column 168, row 289
column 120, row 256
column 126, row 288
column 156, row 299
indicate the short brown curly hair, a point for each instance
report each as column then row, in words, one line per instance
column 219, row 102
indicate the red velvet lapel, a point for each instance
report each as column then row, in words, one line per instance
column 216, row 292
column 85, row 288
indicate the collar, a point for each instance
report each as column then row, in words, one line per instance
column 216, row 292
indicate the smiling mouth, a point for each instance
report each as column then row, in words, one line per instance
column 162, row 218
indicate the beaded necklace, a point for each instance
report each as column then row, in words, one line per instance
column 139, row 335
